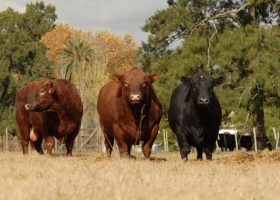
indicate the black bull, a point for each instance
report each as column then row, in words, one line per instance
column 194, row 114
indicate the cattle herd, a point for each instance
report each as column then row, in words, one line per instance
column 129, row 113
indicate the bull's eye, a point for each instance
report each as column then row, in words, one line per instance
column 42, row 92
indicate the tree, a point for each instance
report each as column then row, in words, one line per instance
column 239, row 39
column 22, row 57
column 89, row 60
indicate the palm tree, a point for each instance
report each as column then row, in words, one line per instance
column 76, row 55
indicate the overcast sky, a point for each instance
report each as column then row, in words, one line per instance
column 116, row 16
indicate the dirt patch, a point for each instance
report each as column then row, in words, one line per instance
column 245, row 157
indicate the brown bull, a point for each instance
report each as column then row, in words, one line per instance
column 47, row 109
column 129, row 112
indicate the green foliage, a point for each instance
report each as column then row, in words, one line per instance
column 171, row 138
column 236, row 39
column 22, row 57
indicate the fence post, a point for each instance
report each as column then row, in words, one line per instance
column 29, row 146
column 1, row 143
column 165, row 139
column 276, row 137
column 274, row 132
column 236, row 141
column 77, row 142
column 255, row 139
column 55, row 144
column 277, row 140
column 7, row 141
column 217, row 145
column 225, row 140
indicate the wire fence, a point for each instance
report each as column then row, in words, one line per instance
column 86, row 140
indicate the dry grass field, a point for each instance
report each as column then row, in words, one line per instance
column 93, row 176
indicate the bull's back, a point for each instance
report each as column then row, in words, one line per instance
column 69, row 98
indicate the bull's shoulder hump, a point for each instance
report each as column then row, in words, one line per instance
column 110, row 86
column 180, row 90
column 26, row 90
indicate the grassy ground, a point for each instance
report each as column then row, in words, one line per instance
column 93, row 176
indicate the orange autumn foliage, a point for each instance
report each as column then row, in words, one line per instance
column 118, row 54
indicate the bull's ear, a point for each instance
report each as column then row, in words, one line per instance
column 184, row 80
column 154, row 77
column 116, row 77
column 52, row 88
column 219, row 80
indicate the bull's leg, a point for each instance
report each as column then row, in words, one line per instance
column 121, row 142
column 24, row 136
column 148, row 144
column 38, row 143
column 69, row 143
column 129, row 145
column 109, row 143
column 199, row 149
column 49, row 140
column 209, row 147
column 183, row 143
column 184, row 150
column 123, row 148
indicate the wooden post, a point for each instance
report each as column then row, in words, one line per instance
column 277, row 140
column 236, row 141
column 95, row 132
column 274, row 132
column 167, row 146
column 1, row 142
column 77, row 142
column 7, row 141
column 217, row 145
column 225, row 140
column 276, row 135
column 100, row 141
column 55, row 145
column 255, row 139
column 165, row 140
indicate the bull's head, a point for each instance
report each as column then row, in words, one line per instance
column 135, row 84
column 201, row 87
column 42, row 97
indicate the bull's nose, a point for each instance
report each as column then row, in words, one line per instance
column 203, row 101
column 135, row 97
column 26, row 106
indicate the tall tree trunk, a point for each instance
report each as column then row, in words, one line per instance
column 258, row 124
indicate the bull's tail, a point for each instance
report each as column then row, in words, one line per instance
column 33, row 135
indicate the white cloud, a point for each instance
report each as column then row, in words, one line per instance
column 116, row 16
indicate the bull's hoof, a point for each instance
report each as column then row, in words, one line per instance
column 126, row 155
column 131, row 156
column 185, row 159
column 157, row 159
